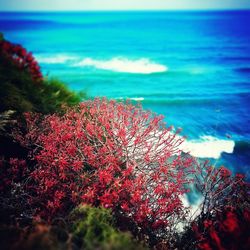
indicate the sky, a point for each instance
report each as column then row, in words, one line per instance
column 29, row 5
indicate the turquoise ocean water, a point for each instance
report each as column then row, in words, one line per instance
column 192, row 67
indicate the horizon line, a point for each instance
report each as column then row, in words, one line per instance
column 128, row 10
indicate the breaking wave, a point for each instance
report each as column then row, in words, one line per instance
column 55, row 59
column 138, row 99
column 208, row 147
column 117, row 64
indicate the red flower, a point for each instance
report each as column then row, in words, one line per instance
column 89, row 156
column 21, row 58
column 231, row 222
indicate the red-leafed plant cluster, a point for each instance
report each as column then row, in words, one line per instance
column 118, row 156
column 11, row 172
column 21, row 58
column 224, row 219
column 109, row 154
column 225, row 229
column 14, row 193
column 220, row 188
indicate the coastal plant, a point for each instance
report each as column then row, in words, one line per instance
column 56, row 95
column 225, row 229
column 219, row 188
column 113, row 155
column 223, row 220
column 94, row 228
column 85, row 228
column 21, row 58
column 14, row 193
column 23, row 87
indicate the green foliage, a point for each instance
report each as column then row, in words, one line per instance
column 21, row 92
column 17, row 89
column 93, row 228
column 55, row 93
column 86, row 228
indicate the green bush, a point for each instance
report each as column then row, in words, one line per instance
column 93, row 228
column 17, row 90
column 22, row 87
column 55, row 93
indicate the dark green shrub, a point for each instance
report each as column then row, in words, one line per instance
column 93, row 228
column 23, row 88
column 55, row 94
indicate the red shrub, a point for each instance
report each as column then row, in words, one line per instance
column 224, row 219
column 220, row 188
column 13, row 190
column 224, row 230
column 11, row 173
column 21, row 58
column 110, row 154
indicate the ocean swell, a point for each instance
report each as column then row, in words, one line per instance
column 208, row 147
column 56, row 59
column 137, row 99
column 117, row 64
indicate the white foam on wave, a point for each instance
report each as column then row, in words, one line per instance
column 136, row 98
column 193, row 210
column 208, row 147
column 55, row 59
column 117, row 64
column 130, row 98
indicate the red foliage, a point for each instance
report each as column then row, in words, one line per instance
column 219, row 188
column 13, row 190
column 21, row 58
column 110, row 154
column 12, row 172
column 225, row 230
column 224, row 220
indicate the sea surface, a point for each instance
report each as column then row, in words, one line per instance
column 192, row 67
